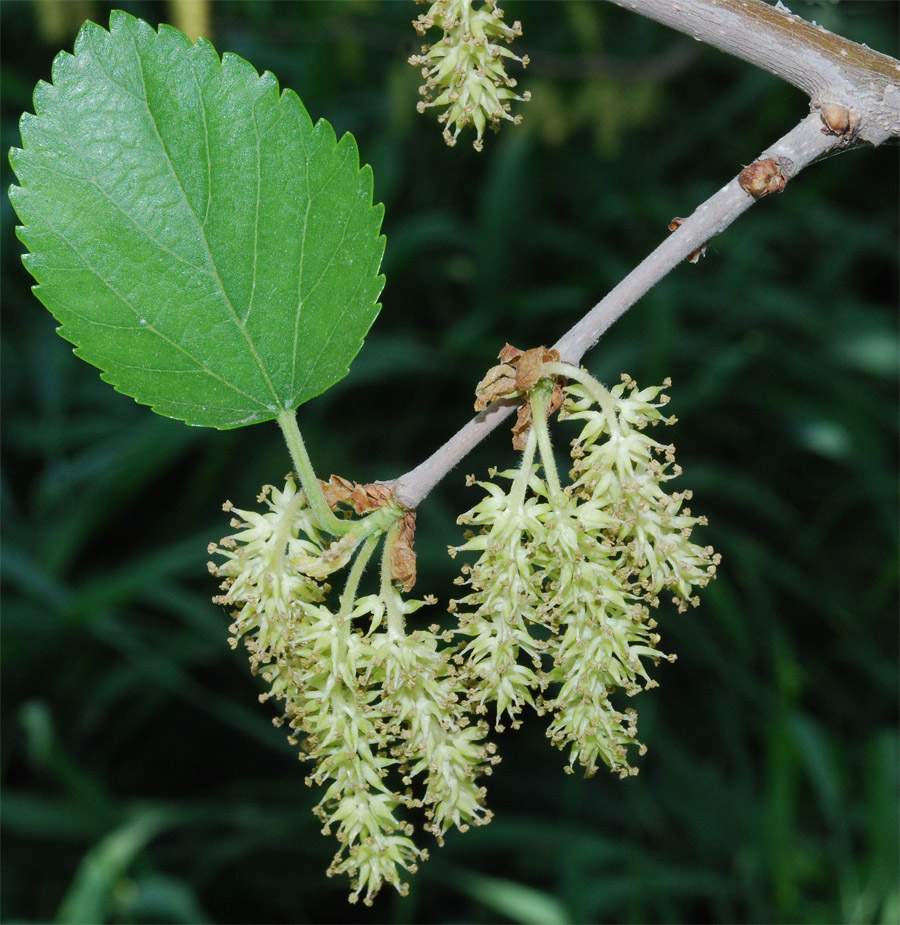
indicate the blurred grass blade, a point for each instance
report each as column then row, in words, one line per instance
column 158, row 898
column 100, row 874
column 513, row 901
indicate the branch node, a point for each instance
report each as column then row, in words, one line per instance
column 766, row 175
column 839, row 120
column 698, row 252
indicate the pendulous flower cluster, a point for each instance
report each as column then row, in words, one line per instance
column 558, row 612
column 378, row 709
column 556, row 616
column 466, row 70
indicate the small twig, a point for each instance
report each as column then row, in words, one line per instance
column 412, row 488
column 802, row 145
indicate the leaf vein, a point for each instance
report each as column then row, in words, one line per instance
column 256, row 214
column 148, row 326
column 216, row 275
column 202, row 108
column 346, row 302
column 88, row 178
column 300, row 269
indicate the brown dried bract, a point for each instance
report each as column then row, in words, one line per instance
column 403, row 556
column 363, row 498
column 521, row 427
column 517, row 373
column 499, row 382
column 765, row 176
column 530, row 365
column 510, row 354
column 839, row 120
column 698, row 252
column 366, row 498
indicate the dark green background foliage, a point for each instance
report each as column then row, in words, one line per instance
column 142, row 781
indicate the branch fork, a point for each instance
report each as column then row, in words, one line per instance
column 854, row 98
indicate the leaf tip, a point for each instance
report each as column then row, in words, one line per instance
column 290, row 99
column 119, row 21
column 171, row 34
column 235, row 64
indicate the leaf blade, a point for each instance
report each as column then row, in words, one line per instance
column 205, row 245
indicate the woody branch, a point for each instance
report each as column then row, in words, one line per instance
column 854, row 98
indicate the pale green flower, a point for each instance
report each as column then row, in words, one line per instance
column 315, row 663
column 262, row 572
column 372, row 707
column 560, row 591
column 601, row 635
column 556, row 617
column 422, row 693
column 619, row 470
column 507, row 597
column 348, row 734
column 466, row 71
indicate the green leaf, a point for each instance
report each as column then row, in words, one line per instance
column 199, row 240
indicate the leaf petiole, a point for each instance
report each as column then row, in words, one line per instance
column 376, row 522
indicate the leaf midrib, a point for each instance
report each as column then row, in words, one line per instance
column 147, row 326
column 303, row 297
column 214, row 270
